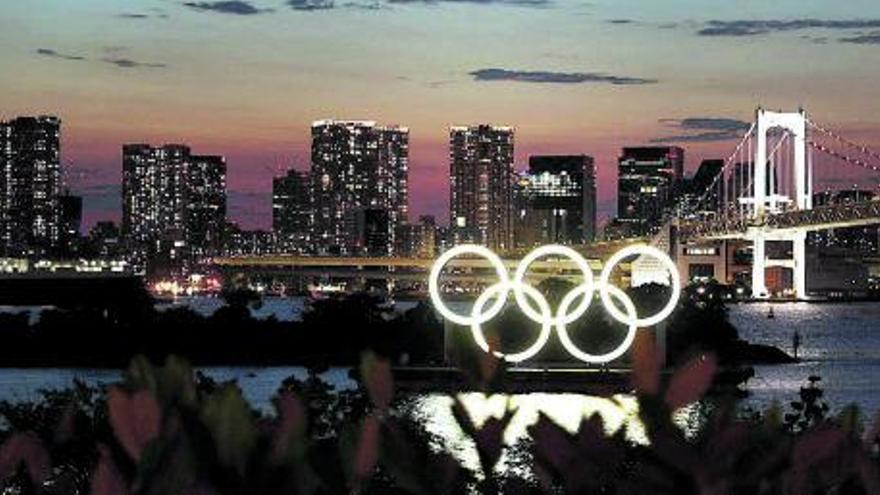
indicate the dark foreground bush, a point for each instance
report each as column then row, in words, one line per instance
column 167, row 430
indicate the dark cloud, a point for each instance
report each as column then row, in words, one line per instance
column 550, row 77
column 311, row 5
column 134, row 15
column 365, row 6
column 521, row 3
column 703, row 129
column 48, row 52
column 758, row 27
column 621, row 21
column 126, row 63
column 863, row 39
column 235, row 7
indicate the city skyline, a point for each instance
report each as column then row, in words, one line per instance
column 163, row 72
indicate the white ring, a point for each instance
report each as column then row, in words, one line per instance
column 549, row 250
column 434, row 283
column 546, row 322
column 544, row 316
column 604, row 281
column 608, row 356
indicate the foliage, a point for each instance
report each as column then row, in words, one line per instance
column 167, row 430
column 333, row 331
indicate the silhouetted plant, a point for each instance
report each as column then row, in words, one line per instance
column 166, row 430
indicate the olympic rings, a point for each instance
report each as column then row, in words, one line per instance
column 525, row 295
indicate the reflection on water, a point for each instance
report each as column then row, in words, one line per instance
column 434, row 412
column 839, row 342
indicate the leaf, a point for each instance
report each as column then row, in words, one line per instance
column 289, row 437
column 646, row 364
column 106, row 479
column 367, row 451
column 812, row 448
column 28, row 449
column 489, row 439
column 691, row 381
column 231, row 423
column 850, row 420
column 376, row 375
column 140, row 374
column 135, row 419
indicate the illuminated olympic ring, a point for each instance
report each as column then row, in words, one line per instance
column 527, row 298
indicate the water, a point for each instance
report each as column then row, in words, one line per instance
column 839, row 342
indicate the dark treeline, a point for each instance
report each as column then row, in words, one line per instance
column 107, row 329
column 109, row 333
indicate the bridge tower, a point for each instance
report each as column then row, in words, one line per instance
column 767, row 201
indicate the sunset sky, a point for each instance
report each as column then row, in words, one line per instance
column 246, row 78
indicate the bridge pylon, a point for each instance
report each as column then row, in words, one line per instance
column 767, row 200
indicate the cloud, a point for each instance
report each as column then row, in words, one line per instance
column 550, row 77
column 703, row 129
column 863, row 39
column 126, row 63
column 311, row 5
column 758, row 27
column 235, row 7
column 621, row 21
column 48, row 52
column 134, row 15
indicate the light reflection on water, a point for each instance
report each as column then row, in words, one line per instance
column 839, row 342
column 434, row 412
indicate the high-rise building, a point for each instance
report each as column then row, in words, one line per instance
column 172, row 196
column 291, row 211
column 862, row 240
column 205, row 203
column 557, row 203
column 374, row 232
column 356, row 165
column 647, row 182
column 71, row 222
column 700, row 192
column 417, row 240
column 481, row 185
column 30, row 185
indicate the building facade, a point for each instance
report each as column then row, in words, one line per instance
column 171, row 197
column 205, row 203
column 291, row 211
column 356, row 166
column 30, row 185
column 557, row 201
column 647, row 183
column 481, row 181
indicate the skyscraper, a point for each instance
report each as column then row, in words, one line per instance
column 170, row 195
column 558, row 203
column 648, row 178
column 356, row 165
column 30, row 185
column 205, row 203
column 71, row 221
column 291, row 210
column 152, row 196
column 481, row 185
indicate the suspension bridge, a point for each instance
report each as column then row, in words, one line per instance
column 764, row 193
